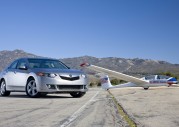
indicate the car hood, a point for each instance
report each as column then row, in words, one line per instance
column 61, row 71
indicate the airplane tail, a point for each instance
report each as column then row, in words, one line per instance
column 105, row 82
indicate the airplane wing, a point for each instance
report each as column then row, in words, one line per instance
column 119, row 75
column 129, row 84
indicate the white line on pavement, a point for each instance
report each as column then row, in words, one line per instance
column 78, row 112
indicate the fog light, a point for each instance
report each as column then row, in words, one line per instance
column 83, row 75
column 51, row 86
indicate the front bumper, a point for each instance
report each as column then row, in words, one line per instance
column 59, row 85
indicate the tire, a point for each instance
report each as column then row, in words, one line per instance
column 77, row 94
column 3, row 90
column 146, row 88
column 31, row 88
column 43, row 94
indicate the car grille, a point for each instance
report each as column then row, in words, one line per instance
column 70, row 86
column 70, row 78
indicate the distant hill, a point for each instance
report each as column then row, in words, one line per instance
column 129, row 66
column 6, row 57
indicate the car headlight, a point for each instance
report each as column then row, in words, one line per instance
column 51, row 75
column 83, row 75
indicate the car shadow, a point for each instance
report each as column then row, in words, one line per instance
column 55, row 96
column 14, row 96
column 50, row 96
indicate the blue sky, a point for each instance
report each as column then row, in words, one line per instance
column 146, row 29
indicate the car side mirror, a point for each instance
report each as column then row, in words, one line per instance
column 23, row 67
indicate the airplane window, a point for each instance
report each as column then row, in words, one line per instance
column 150, row 77
column 164, row 77
column 158, row 77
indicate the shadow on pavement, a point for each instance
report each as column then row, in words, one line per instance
column 50, row 96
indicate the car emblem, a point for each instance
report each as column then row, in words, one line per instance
column 70, row 75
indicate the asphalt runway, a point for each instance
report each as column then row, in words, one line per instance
column 156, row 107
column 95, row 109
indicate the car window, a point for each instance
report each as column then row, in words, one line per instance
column 21, row 63
column 13, row 65
column 46, row 63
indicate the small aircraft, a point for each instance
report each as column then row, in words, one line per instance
column 145, row 82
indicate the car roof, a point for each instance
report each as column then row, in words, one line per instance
column 36, row 58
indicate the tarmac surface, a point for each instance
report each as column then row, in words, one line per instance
column 95, row 109
column 156, row 107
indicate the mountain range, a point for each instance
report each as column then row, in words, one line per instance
column 136, row 66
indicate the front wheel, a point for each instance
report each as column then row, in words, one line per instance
column 3, row 90
column 31, row 89
column 77, row 94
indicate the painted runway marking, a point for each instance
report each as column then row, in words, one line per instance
column 78, row 112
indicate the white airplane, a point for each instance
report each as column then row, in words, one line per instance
column 145, row 82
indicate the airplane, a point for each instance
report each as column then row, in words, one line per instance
column 145, row 82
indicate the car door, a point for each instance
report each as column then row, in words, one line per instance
column 21, row 75
column 9, row 75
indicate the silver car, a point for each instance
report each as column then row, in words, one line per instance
column 40, row 76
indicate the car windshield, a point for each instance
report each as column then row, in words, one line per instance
column 46, row 63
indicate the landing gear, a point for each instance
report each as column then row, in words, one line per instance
column 146, row 88
column 169, row 85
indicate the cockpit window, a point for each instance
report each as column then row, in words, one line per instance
column 46, row 63
column 156, row 77
column 164, row 77
column 150, row 77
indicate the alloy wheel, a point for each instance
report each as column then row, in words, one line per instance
column 3, row 87
column 32, row 88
